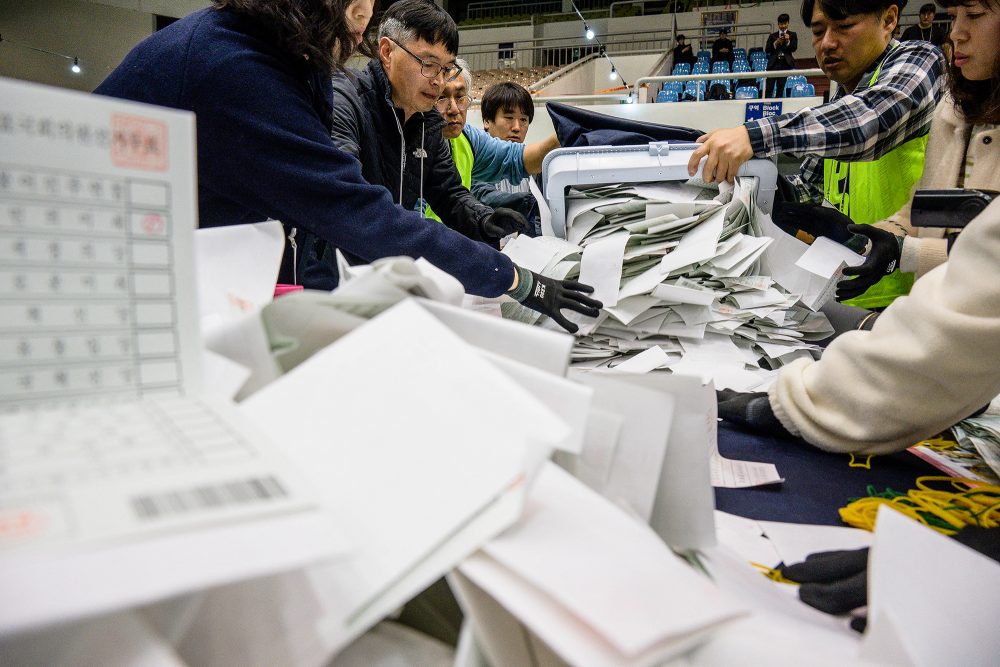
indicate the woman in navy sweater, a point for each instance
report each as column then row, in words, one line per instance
column 257, row 75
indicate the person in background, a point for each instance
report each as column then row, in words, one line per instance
column 779, row 48
column 925, row 29
column 929, row 360
column 683, row 52
column 508, row 110
column 257, row 75
column 722, row 49
column 480, row 157
column 864, row 150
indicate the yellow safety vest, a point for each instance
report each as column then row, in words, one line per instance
column 871, row 191
column 461, row 152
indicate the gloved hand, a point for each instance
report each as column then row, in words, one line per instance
column 549, row 296
column 503, row 222
column 832, row 581
column 751, row 410
column 883, row 259
column 836, row 582
column 807, row 221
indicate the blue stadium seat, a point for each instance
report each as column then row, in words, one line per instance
column 741, row 65
column 682, row 69
column 791, row 82
column 739, row 53
column 720, row 67
column 724, row 82
column 802, row 90
column 667, row 96
column 700, row 68
column 746, row 93
column 704, row 55
column 758, row 66
column 694, row 90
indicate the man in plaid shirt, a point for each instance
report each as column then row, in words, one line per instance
column 888, row 91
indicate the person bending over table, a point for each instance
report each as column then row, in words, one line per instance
column 257, row 75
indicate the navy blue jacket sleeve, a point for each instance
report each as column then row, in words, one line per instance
column 263, row 145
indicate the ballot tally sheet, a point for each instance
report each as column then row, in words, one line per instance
column 103, row 436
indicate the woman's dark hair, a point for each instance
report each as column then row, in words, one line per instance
column 407, row 20
column 507, row 95
column 838, row 10
column 316, row 29
column 979, row 101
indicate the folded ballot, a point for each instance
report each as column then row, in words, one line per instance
column 591, row 583
column 679, row 269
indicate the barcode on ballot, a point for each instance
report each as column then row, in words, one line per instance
column 214, row 496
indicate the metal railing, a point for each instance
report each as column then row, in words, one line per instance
column 498, row 8
column 561, row 51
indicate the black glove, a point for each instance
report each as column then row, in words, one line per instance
column 751, row 410
column 832, row 581
column 883, row 259
column 549, row 296
column 503, row 222
column 807, row 221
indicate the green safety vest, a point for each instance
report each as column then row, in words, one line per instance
column 461, row 152
column 871, row 191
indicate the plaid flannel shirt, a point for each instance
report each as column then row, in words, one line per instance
column 862, row 125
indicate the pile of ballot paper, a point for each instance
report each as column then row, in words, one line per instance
column 678, row 268
column 983, row 434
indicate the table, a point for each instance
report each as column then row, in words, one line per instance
column 817, row 483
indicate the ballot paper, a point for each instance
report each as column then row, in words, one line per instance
column 684, row 245
column 595, row 585
column 913, row 618
column 121, row 481
column 416, row 491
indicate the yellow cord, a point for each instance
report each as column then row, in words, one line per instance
column 964, row 502
column 773, row 574
column 858, row 462
column 938, row 444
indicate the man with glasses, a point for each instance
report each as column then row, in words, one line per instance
column 484, row 159
column 384, row 115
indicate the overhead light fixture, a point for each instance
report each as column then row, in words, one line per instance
column 588, row 32
column 614, row 74
column 74, row 67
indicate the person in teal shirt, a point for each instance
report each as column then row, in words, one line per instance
column 478, row 156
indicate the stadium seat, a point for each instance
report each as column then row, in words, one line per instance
column 704, row 55
column 746, row 93
column 682, row 69
column 720, row 67
column 741, row 65
column 667, row 96
column 694, row 90
column 802, row 90
column 700, row 68
column 791, row 82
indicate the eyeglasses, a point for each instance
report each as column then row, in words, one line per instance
column 430, row 70
column 444, row 103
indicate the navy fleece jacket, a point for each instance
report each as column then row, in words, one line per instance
column 264, row 147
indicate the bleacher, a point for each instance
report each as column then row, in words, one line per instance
column 525, row 76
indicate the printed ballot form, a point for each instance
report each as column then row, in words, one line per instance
column 104, row 438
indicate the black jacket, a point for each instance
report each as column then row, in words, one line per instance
column 781, row 57
column 411, row 160
column 368, row 126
